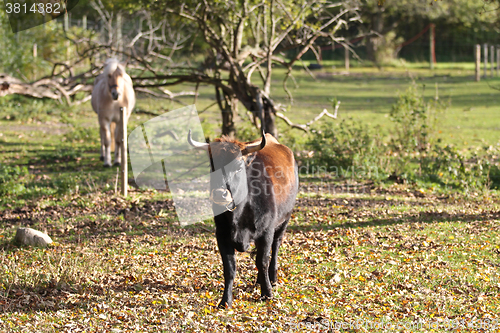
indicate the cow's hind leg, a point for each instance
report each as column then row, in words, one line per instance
column 263, row 246
column 273, row 265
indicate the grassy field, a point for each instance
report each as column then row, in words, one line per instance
column 373, row 252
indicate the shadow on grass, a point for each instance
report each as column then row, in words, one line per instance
column 52, row 297
column 396, row 219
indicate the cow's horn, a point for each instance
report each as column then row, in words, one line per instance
column 257, row 146
column 196, row 144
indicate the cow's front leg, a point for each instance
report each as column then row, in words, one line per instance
column 226, row 250
column 105, row 143
column 263, row 245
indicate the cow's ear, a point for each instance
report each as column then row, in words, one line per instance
column 256, row 146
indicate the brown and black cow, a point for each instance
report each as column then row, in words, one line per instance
column 253, row 187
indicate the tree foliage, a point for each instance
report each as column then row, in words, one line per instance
column 16, row 50
column 246, row 39
column 388, row 23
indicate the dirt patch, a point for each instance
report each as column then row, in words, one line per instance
column 52, row 128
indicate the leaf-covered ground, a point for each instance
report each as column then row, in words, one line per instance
column 393, row 256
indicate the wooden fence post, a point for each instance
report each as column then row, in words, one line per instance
column 66, row 22
column 35, row 54
column 498, row 59
column 66, row 28
column 124, row 162
column 478, row 62
column 84, row 22
column 346, row 55
column 492, row 58
column 432, row 45
column 485, row 59
column 119, row 38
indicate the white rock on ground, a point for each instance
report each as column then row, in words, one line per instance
column 28, row 236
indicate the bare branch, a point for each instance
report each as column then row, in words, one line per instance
column 289, row 122
column 307, row 69
column 325, row 113
column 288, row 74
column 43, row 88
column 158, row 95
column 305, row 127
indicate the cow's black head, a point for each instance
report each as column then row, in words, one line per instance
column 228, row 179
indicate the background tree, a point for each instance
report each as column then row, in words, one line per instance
column 244, row 37
column 459, row 24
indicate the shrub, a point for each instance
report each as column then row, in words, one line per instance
column 414, row 129
column 494, row 176
column 12, row 179
column 346, row 147
column 446, row 165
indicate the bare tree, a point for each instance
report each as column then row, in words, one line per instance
column 247, row 36
column 240, row 41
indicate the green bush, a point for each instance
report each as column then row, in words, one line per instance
column 26, row 109
column 16, row 50
column 410, row 116
column 346, row 147
column 414, row 129
column 446, row 165
column 12, row 179
column 494, row 176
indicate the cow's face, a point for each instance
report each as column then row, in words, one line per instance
column 228, row 179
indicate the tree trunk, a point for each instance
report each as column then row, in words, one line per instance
column 270, row 120
column 227, row 119
column 227, row 106
column 373, row 42
column 254, row 101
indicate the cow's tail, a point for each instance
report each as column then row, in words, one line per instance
column 112, row 129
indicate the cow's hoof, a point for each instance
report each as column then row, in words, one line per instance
column 117, row 164
column 107, row 165
column 264, row 298
column 223, row 305
column 101, row 158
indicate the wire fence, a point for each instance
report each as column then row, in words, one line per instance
column 447, row 47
